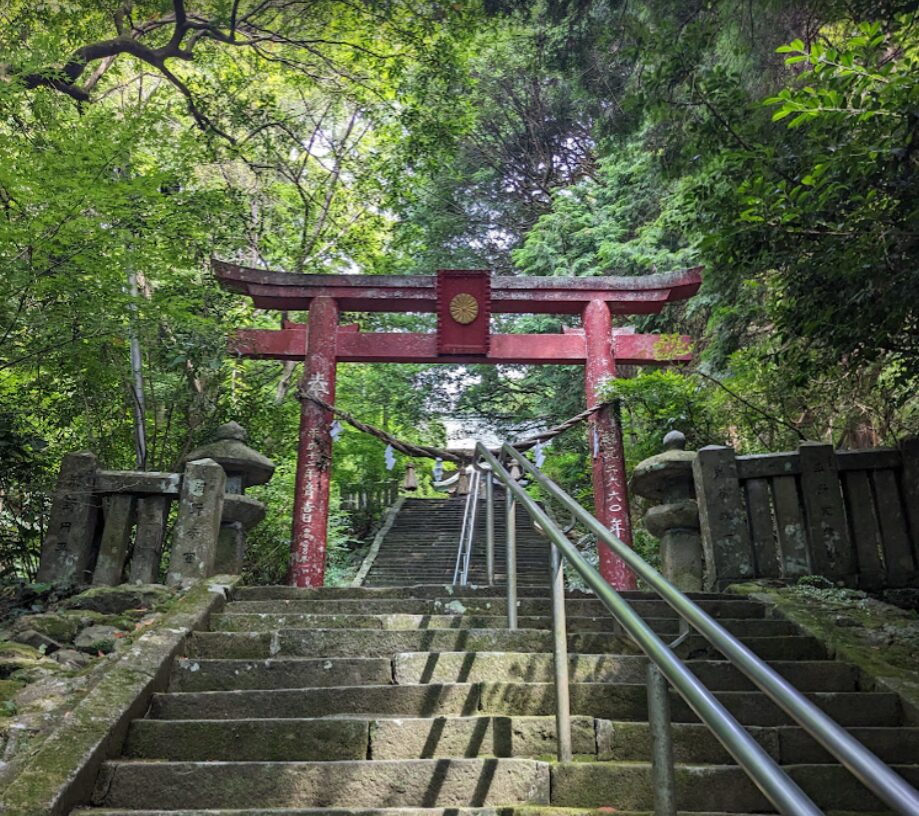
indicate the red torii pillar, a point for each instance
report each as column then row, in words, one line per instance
column 611, row 504
column 314, row 452
column 464, row 301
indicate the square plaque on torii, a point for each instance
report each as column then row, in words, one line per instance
column 463, row 311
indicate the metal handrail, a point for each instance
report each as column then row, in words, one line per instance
column 470, row 535
column 775, row 784
column 467, row 532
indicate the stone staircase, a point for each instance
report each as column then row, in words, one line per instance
column 414, row 701
column 422, row 542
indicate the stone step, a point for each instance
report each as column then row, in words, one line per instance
column 191, row 674
column 419, row 543
column 249, row 740
column 432, row 570
column 435, row 564
column 436, row 590
column 718, row 675
column 269, row 621
column 485, row 811
column 420, row 552
column 385, row 643
column 441, row 537
column 525, row 579
column 305, row 739
column 613, row 786
column 376, row 739
column 602, row 700
column 526, row 576
column 693, row 743
column 351, row 784
column 486, row 605
column 628, row 786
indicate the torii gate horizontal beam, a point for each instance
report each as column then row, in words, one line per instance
column 353, row 346
column 287, row 291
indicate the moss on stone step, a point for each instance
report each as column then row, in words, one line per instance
column 880, row 639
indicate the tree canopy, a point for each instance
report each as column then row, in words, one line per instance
column 773, row 143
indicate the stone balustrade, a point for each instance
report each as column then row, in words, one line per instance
column 110, row 526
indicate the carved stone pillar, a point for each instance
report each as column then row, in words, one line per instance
column 244, row 467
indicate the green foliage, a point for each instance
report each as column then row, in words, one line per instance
column 611, row 223
column 656, row 402
column 841, row 216
column 773, row 143
column 280, row 151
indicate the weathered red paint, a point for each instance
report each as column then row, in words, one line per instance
column 314, row 455
column 418, row 293
column 504, row 349
column 609, row 477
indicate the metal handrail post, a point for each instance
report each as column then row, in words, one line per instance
column 490, row 527
column 462, row 541
column 560, row 656
column 880, row 779
column 470, row 533
column 511, row 553
column 659, row 724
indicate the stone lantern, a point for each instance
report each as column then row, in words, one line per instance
column 666, row 480
column 244, row 467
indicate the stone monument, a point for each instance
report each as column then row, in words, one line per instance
column 666, row 481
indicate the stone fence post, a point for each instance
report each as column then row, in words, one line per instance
column 667, row 480
column 67, row 553
column 194, row 539
column 723, row 517
column 244, row 467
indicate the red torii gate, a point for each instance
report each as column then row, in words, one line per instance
column 464, row 301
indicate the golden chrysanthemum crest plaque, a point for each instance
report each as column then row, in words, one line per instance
column 464, row 308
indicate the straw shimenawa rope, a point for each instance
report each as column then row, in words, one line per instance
column 426, row 451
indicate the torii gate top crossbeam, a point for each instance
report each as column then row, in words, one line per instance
column 285, row 291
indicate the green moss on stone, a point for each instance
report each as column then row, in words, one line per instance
column 58, row 627
column 8, row 690
column 120, row 599
column 89, row 617
column 880, row 639
column 11, row 649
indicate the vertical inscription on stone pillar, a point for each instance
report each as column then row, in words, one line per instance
column 725, row 536
column 194, row 540
column 67, row 553
column 314, row 457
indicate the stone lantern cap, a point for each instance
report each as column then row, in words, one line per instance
column 667, row 476
column 230, row 451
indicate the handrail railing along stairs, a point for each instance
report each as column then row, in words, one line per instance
column 664, row 666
